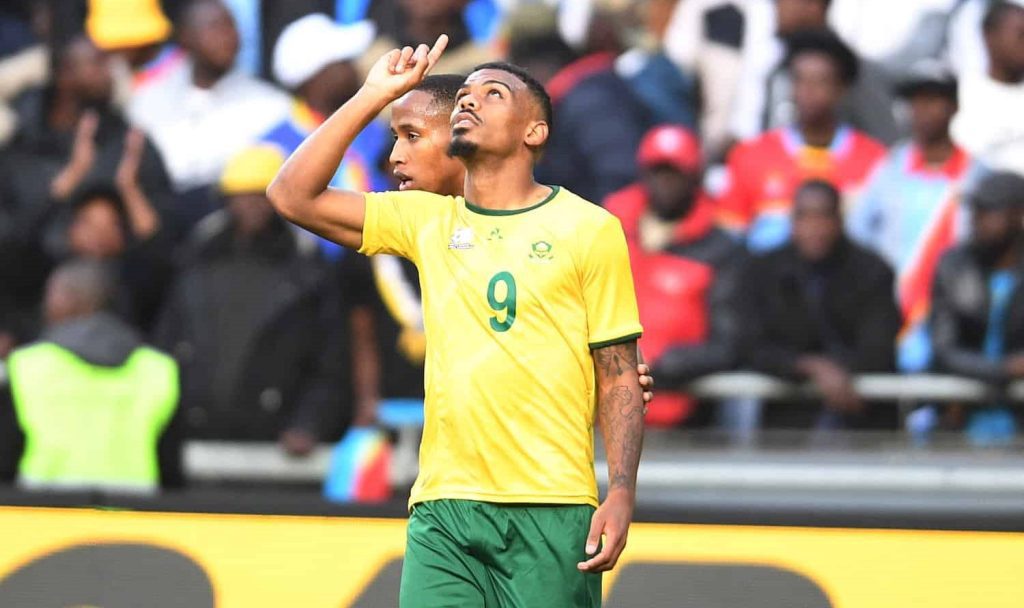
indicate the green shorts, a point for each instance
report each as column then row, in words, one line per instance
column 468, row 554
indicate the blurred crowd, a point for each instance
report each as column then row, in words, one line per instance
column 811, row 189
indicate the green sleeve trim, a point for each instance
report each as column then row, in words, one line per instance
column 613, row 342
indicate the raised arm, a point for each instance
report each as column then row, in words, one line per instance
column 620, row 411
column 300, row 191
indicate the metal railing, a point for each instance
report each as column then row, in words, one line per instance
column 915, row 388
column 266, row 462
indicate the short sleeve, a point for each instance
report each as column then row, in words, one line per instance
column 612, row 315
column 393, row 220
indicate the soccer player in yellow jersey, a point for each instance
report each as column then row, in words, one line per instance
column 422, row 132
column 531, row 325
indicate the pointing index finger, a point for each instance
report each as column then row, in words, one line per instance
column 439, row 47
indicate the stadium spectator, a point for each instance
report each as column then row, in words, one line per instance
column 411, row 22
column 667, row 92
column 686, row 269
column 89, row 406
column 764, row 172
column 821, row 308
column 71, row 137
column 253, row 319
column 766, row 88
column 202, row 115
column 585, row 91
column 139, row 32
column 24, row 57
column 112, row 222
column 705, row 38
column 989, row 122
column 314, row 59
column 978, row 300
column 910, row 211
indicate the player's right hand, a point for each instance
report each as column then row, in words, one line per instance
column 399, row 71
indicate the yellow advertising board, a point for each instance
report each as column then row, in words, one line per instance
column 56, row 558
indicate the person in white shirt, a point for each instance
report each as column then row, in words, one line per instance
column 201, row 116
column 764, row 98
column 989, row 124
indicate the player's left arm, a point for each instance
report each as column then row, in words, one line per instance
column 620, row 410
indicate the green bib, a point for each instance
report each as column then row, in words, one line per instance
column 88, row 425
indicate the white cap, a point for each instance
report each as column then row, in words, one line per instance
column 314, row 41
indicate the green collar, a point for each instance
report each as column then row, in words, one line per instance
column 482, row 211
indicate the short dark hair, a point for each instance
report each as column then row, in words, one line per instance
column 99, row 190
column 997, row 11
column 536, row 89
column 824, row 188
column 442, row 89
column 824, row 42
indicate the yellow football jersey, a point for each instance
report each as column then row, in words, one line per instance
column 513, row 303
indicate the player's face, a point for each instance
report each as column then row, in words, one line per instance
column 817, row 87
column 817, row 225
column 419, row 158
column 494, row 114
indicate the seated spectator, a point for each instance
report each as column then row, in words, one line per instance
column 115, row 224
column 978, row 300
column 821, row 309
column 763, row 173
column 314, row 59
column 585, row 91
column 254, row 322
column 686, row 269
column 94, row 406
column 411, row 22
column 138, row 31
column 989, row 124
column 71, row 137
column 910, row 211
column 766, row 87
column 201, row 116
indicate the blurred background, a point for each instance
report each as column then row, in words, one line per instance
column 824, row 204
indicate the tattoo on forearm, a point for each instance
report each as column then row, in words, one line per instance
column 616, row 360
column 621, row 412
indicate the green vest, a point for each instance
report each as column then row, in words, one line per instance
column 91, row 426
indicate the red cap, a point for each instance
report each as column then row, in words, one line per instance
column 670, row 145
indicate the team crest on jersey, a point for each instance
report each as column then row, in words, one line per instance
column 541, row 250
column 462, row 238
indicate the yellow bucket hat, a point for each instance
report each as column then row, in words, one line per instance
column 251, row 170
column 121, row 24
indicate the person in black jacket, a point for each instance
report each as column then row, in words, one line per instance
column 978, row 297
column 72, row 137
column 821, row 308
column 598, row 120
column 254, row 321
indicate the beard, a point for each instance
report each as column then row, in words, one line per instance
column 459, row 147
